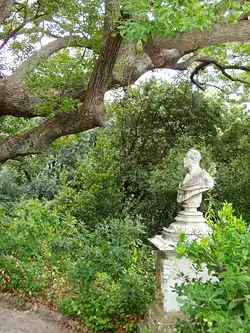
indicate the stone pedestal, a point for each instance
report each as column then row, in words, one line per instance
column 163, row 313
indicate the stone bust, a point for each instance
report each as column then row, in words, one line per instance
column 196, row 181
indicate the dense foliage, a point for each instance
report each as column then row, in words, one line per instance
column 91, row 192
column 104, row 276
column 75, row 218
column 70, row 234
column 221, row 305
column 154, row 126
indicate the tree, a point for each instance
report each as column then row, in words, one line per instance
column 117, row 42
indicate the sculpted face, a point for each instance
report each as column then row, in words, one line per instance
column 192, row 158
column 188, row 162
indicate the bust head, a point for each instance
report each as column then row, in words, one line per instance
column 192, row 159
column 196, row 180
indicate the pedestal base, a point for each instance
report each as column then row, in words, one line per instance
column 190, row 218
column 157, row 321
column 170, row 269
column 191, row 222
column 193, row 231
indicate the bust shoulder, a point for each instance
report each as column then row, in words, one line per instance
column 200, row 178
column 207, row 179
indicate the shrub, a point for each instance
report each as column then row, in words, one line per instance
column 91, row 193
column 105, row 275
column 27, row 235
column 222, row 306
column 11, row 185
column 112, row 277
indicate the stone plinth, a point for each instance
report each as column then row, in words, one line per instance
column 163, row 313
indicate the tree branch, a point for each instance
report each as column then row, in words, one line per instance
column 89, row 115
column 195, row 72
column 193, row 39
column 46, row 51
column 20, row 113
column 38, row 139
column 101, row 78
column 107, row 18
column 17, row 101
column 206, row 61
column 165, row 52
column 15, row 31
column 184, row 65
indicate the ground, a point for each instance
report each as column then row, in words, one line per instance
column 17, row 321
column 19, row 316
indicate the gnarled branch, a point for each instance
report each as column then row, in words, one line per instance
column 206, row 61
column 165, row 52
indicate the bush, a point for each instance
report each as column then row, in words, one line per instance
column 112, row 277
column 222, row 306
column 104, row 276
column 233, row 160
column 11, row 185
column 27, row 235
column 91, row 192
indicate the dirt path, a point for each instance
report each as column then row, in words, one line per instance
column 16, row 321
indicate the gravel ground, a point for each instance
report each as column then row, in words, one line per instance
column 16, row 321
